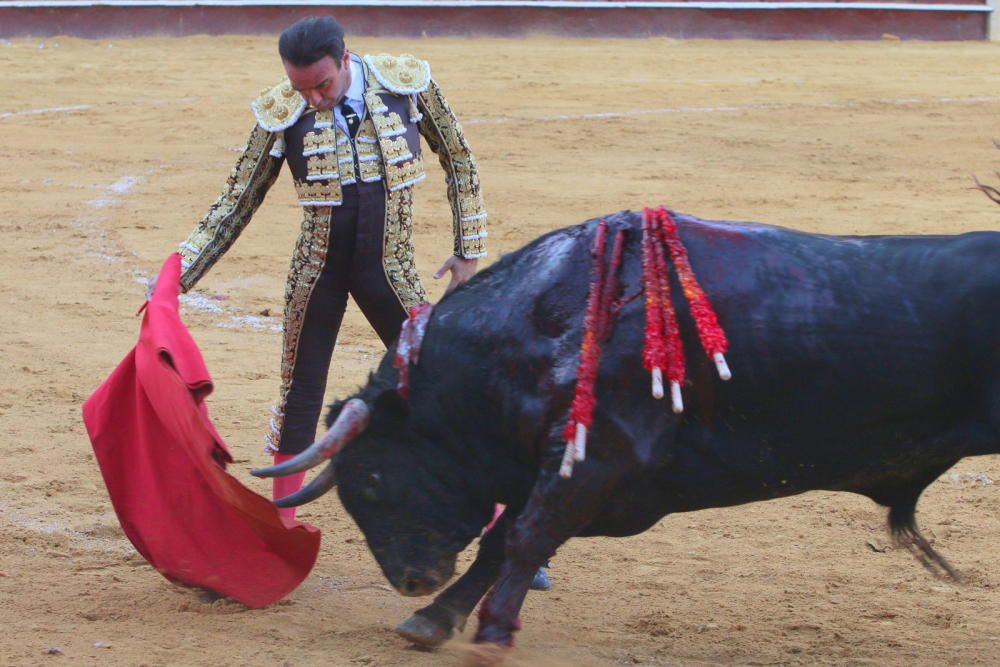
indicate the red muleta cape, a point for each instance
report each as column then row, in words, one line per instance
column 164, row 465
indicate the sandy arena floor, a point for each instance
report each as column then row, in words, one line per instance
column 112, row 151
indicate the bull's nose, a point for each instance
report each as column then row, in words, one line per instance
column 415, row 584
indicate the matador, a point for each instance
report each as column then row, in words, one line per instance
column 349, row 128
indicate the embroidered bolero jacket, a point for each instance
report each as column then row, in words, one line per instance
column 402, row 103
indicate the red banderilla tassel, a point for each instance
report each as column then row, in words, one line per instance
column 654, row 350
column 713, row 338
column 611, row 285
column 664, row 352
column 596, row 325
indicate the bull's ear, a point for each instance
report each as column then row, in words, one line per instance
column 391, row 404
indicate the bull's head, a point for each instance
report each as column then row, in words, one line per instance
column 410, row 498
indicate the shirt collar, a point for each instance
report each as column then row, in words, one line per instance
column 356, row 91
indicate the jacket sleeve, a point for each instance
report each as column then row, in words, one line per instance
column 444, row 136
column 252, row 175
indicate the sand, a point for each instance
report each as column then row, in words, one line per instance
column 113, row 150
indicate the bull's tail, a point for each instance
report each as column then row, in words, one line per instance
column 903, row 526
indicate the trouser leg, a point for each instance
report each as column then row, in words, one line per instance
column 376, row 295
column 396, row 269
column 316, row 297
column 368, row 252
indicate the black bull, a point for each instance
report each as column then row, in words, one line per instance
column 861, row 364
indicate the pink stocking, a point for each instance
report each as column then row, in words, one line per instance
column 497, row 511
column 285, row 486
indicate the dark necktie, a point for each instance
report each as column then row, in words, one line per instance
column 351, row 117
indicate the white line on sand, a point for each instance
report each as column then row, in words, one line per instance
column 910, row 101
column 35, row 112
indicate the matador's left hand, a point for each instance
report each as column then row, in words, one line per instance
column 461, row 270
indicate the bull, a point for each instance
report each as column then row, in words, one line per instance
column 867, row 364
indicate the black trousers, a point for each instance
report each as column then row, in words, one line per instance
column 353, row 266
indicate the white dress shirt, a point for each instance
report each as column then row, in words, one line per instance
column 355, row 94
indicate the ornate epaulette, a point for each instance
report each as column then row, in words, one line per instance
column 402, row 75
column 278, row 107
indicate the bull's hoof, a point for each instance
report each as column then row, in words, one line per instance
column 424, row 630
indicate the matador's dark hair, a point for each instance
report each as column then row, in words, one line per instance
column 310, row 40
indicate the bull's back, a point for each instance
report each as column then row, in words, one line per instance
column 878, row 324
column 832, row 339
column 903, row 320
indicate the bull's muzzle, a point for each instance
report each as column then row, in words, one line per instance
column 352, row 420
column 415, row 584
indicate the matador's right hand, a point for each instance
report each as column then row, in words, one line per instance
column 461, row 270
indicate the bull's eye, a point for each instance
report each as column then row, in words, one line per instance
column 370, row 492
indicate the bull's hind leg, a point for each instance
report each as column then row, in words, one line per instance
column 969, row 439
column 557, row 510
column 436, row 623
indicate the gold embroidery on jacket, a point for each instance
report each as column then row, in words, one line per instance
column 388, row 125
column 319, row 141
column 322, row 167
column 395, row 150
column 472, row 208
column 403, row 75
column 369, row 153
column 330, row 156
column 373, row 102
column 323, row 119
column 397, row 253
column 252, row 175
column 278, row 107
column 444, row 136
column 371, row 171
column 366, row 131
column 398, row 176
column 319, row 193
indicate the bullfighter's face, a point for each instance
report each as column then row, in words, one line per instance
column 409, row 501
column 322, row 84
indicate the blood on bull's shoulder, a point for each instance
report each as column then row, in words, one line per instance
column 861, row 364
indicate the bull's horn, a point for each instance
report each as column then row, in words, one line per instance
column 322, row 483
column 351, row 421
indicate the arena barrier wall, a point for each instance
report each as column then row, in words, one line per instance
column 954, row 20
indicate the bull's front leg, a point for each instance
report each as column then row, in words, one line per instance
column 557, row 510
column 436, row 623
